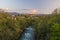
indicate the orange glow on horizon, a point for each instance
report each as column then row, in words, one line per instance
column 34, row 11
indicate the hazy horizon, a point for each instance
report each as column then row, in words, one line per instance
column 41, row 6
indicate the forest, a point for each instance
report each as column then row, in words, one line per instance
column 47, row 26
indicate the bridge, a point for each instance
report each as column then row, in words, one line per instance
column 28, row 34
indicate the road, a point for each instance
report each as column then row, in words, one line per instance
column 29, row 34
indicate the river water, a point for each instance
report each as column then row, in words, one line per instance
column 29, row 34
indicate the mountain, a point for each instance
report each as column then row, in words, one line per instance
column 13, row 13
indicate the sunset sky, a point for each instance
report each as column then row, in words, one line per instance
column 42, row 6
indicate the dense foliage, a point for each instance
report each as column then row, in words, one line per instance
column 10, row 28
column 47, row 27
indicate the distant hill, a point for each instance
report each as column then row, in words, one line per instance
column 13, row 13
column 26, row 14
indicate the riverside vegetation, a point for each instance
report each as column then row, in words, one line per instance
column 47, row 27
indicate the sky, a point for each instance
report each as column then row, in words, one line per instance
column 42, row 6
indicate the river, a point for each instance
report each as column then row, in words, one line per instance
column 28, row 34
